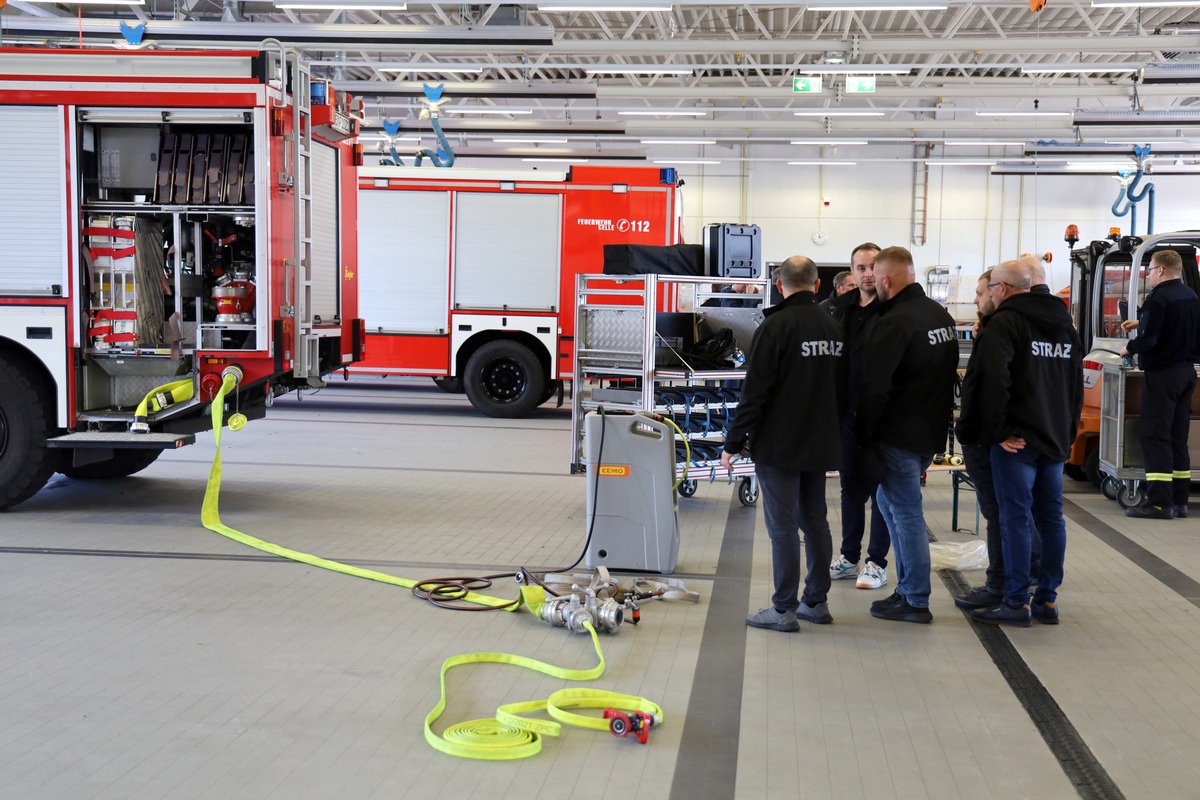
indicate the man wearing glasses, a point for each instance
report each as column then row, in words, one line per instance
column 1166, row 347
column 1023, row 398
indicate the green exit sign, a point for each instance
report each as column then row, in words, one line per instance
column 807, row 85
column 860, row 84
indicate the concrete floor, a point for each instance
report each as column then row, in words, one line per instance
column 147, row 657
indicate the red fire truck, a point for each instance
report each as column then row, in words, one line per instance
column 169, row 217
column 468, row 276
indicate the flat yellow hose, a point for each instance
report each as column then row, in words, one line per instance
column 508, row 735
column 211, row 518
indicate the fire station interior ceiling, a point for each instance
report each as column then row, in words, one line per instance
column 689, row 81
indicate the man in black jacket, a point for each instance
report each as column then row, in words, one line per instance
column 1167, row 347
column 855, row 310
column 911, row 362
column 791, row 400
column 1023, row 397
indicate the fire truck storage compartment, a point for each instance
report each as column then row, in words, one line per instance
column 33, row 201
column 168, row 239
column 404, row 290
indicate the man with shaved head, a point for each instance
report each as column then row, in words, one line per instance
column 1022, row 398
column 911, row 364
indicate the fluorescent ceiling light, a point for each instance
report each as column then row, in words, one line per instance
column 439, row 68
column 532, row 140
column 344, row 5
column 853, row 69
column 876, row 5
column 687, row 161
column 1136, row 142
column 648, row 69
column 1110, row 165
column 480, row 110
column 990, row 113
column 830, row 142
column 960, row 163
column 1141, row 3
column 1080, row 69
column 664, row 113
column 837, row 112
column 678, row 141
column 821, row 163
column 557, row 160
column 571, row 7
column 980, row 143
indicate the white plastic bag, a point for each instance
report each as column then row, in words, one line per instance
column 958, row 555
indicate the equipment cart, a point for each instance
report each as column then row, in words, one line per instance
column 1122, row 469
column 635, row 336
column 1120, row 448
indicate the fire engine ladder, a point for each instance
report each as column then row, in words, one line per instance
column 305, row 349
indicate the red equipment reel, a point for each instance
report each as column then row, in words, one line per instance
column 623, row 724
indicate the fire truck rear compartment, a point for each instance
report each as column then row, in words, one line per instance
column 169, row 253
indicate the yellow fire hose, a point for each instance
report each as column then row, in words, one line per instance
column 507, row 736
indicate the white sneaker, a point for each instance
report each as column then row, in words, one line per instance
column 841, row 568
column 872, row 576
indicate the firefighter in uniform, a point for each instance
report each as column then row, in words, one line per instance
column 789, row 411
column 1167, row 347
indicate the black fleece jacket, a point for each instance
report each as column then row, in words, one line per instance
column 1025, row 377
column 910, row 365
column 793, row 394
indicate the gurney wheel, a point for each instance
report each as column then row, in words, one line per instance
column 1109, row 487
column 687, row 488
column 748, row 492
column 1130, row 494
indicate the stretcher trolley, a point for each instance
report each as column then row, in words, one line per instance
column 649, row 343
column 1120, row 447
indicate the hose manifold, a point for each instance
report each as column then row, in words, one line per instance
column 573, row 610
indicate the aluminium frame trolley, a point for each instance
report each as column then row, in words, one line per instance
column 633, row 334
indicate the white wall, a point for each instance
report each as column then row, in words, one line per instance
column 974, row 219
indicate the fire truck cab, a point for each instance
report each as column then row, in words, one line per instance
column 169, row 217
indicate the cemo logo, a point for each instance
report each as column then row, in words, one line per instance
column 614, row 470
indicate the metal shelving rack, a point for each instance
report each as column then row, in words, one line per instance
column 617, row 341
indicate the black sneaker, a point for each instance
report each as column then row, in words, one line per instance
column 1002, row 614
column 891, row 600
column 1147, row 511
column 979, row 597
column 1045, row 613
column 903, row 612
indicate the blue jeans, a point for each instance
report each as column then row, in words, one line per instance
column 899, row 497
column 791, row 501
column 856, row 491
column 1028, row 481
column 978, row 460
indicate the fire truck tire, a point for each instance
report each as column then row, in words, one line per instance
column 504, row 379
column 451, row 385
column 1074, row 472
column 123, row 464
column 26, row 463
